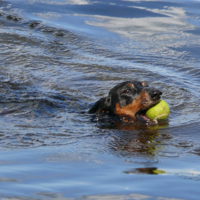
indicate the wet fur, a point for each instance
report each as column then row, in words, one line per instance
column 127, row 99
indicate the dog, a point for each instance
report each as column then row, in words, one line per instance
column 128, row 100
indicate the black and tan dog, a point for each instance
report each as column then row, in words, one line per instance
column 128, row 100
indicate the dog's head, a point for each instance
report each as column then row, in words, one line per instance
column 128, row 99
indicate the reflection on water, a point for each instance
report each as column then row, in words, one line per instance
column 57, row 196
column 168, row 25
column 57, row 59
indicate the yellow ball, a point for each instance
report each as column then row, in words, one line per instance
column 159, row 111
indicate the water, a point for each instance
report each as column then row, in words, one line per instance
column 57, row 59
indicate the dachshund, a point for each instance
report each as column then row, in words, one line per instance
column 128, row 100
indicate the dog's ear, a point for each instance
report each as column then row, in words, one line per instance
column 102, row 105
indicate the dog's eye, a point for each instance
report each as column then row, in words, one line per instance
column 126, row 91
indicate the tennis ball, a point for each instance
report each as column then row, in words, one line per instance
column 159, row 111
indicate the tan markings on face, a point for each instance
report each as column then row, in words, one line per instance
column 131, row 85
column 142, row 101
column 144, row 84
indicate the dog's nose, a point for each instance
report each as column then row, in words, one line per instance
column 155, row 94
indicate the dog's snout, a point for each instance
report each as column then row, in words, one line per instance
column 155, row 94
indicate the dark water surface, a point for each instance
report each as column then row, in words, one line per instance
column 57, row 58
